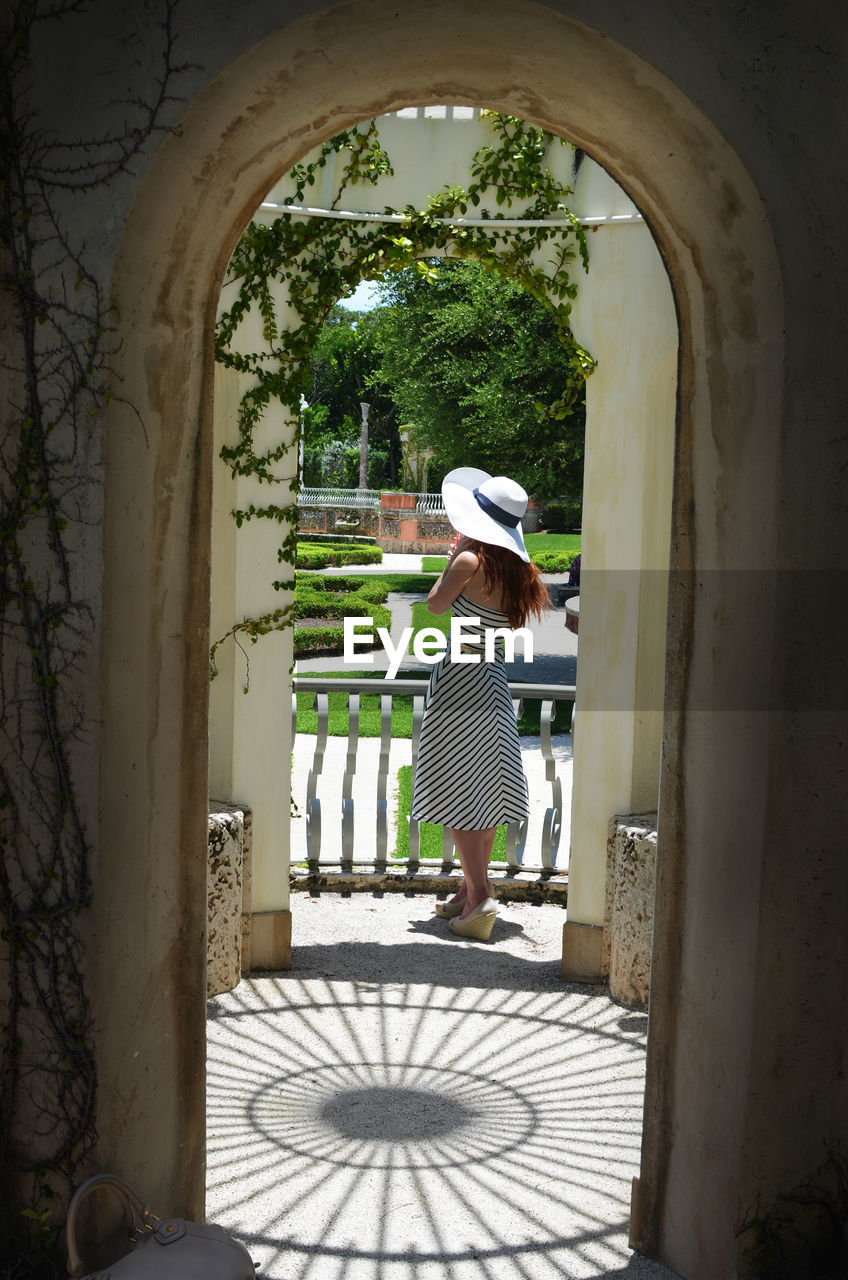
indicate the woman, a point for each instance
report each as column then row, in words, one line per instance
column 468, row 774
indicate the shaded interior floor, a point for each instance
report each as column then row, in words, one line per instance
column 407, row 1104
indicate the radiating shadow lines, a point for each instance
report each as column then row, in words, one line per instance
column 421, row 1192
column 354, row 1102
column 471, row 1254
column 425, row 1010
column 311, row 1013
column 282, row 1126
column 414, row 963
column 571, row 1019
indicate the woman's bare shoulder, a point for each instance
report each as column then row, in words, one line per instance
column 461, row 570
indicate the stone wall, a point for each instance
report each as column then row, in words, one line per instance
column 396, row 528
column 228, row 895
column 629, row 909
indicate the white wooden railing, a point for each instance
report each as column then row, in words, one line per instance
column 358, row 498
column 429, row 504
column 361, row 844
column 425, row 503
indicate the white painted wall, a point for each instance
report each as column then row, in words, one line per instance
column 626, row 318
column 430, row 148
column 250, row 699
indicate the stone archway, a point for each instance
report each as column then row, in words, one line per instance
column 298, row 86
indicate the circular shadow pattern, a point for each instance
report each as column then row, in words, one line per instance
column 358, row 1114
column 385, row 1114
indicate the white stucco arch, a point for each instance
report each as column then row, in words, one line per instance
column 307, row 81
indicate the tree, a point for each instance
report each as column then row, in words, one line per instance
column 476, row 367
column 343, row 375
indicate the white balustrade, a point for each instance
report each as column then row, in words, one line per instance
column 356, row 498
column 361, row 499
column 362, row 843
column 429, row 504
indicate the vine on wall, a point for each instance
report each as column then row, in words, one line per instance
column 59, row 338
column 320, row 260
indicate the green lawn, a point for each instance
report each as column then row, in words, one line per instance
column 431, row 833
column 552, row 542
column 538, row 544
column 422, row 617
column 369, row 708
column 406, row 581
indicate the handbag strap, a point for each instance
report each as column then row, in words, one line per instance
column 138, row 1214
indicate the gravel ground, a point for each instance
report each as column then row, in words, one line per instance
column 406, row 1105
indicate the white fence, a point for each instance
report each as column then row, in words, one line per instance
column 360, row 842
column 358, row 498
column 429, row 504
column 425, row 503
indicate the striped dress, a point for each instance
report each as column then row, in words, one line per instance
column 469, row 774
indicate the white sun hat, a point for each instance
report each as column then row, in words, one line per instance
column 486, row 508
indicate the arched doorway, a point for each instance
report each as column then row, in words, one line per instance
column 300, row 85
column 626, row 517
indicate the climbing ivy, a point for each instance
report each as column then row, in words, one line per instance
column 60, row 337
column 319, row 260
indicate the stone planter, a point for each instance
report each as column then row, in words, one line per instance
column 532, row 517
column 228, row 896
column 629, row 909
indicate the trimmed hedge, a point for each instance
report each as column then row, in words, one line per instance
column 331, row 598
column 336, row 597
column 311, row 537
column 329, row 640
column 559, row 517
column 547, row 561
column 312, row 556
column 554, row 561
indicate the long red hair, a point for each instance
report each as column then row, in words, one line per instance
column 520, row 582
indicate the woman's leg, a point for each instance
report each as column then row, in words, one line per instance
column 460, row 893
column 474, row 848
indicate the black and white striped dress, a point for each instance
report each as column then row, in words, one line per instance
column 469, row 774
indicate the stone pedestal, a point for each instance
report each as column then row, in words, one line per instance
column 629, row 907
column 228, row 895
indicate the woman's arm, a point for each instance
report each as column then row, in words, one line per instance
column 460, row 569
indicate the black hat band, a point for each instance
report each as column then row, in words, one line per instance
column 497, row 513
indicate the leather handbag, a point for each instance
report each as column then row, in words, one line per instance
column 163, row 1248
